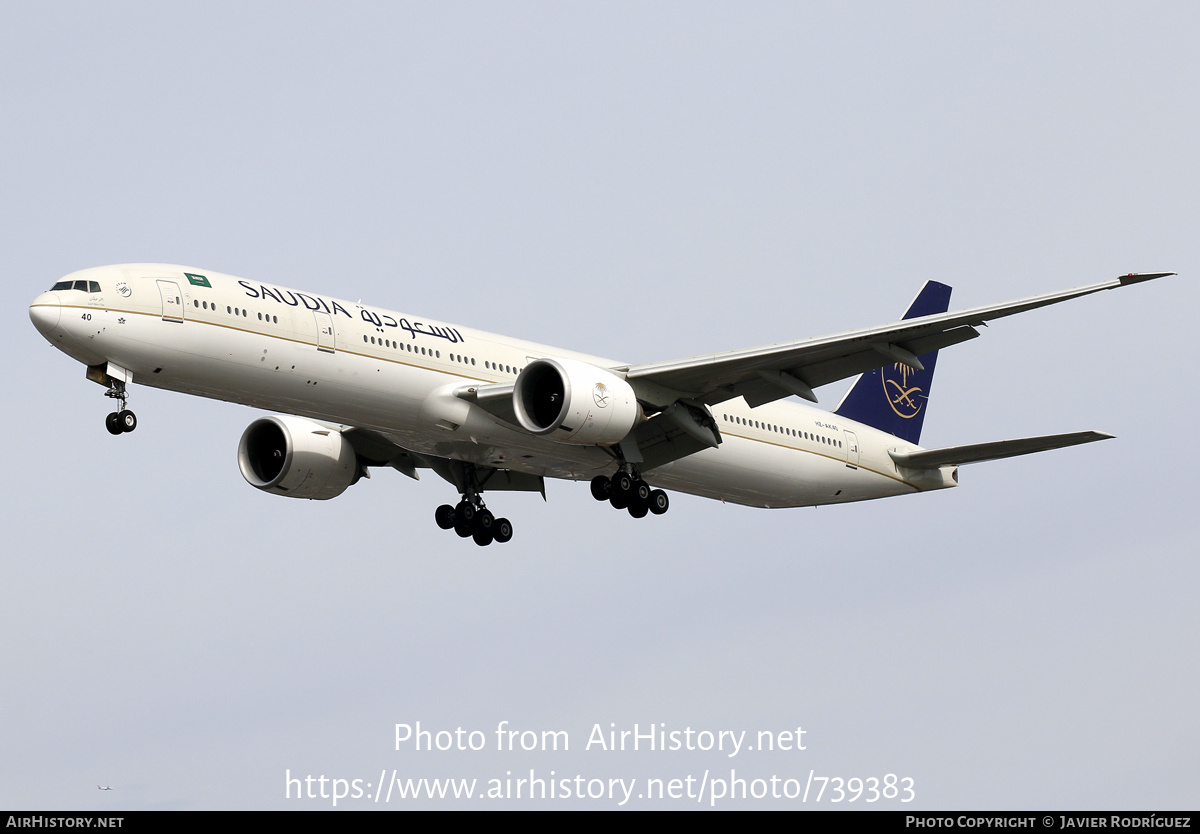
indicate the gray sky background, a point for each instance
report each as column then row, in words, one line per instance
column 645, row 181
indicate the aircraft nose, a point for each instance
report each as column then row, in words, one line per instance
column 45, row 312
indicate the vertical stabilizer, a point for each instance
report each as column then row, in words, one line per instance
column 894, row 398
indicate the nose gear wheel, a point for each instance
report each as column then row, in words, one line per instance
column 123, row 420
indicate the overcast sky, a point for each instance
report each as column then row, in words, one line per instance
column 643, row 181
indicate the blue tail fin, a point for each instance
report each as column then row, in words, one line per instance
column 893, row 398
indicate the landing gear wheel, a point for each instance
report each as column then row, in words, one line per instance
column 113, row 423
column 127, row 420
column 622, row 483
column 619, row 500
column 638, row 510
column 600, row 488
column 659, row 502
column 502, row 530
column 465, row 512
column 484, row 520
column 641, row 491
column 444, row 516
column 470, row 517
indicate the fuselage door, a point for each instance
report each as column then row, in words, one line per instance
column 172, row 300
column 325, row 333
column 851, row 449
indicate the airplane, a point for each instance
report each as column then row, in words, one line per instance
column 359, row 387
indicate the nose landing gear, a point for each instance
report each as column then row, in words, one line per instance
column 119, row 422
column 123, row 420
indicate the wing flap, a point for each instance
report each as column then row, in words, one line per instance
column 374, row 449
column 490, row 478
column 995, row 450
column 672, row 435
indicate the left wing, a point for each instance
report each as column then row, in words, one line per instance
column 764, row 374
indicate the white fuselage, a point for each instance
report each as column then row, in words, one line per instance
column 341, row 362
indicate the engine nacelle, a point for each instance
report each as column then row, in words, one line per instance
column 575, row 402
column 297, row 458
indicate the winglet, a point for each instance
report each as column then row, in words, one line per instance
column 1139, row 277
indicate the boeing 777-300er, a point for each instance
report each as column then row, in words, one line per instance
column 361, row 387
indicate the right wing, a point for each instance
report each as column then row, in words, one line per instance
column 764, row 374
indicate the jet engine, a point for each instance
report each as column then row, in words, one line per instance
column 575, row 402
column 297, row 458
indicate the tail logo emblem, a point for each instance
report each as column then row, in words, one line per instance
column 904, row 400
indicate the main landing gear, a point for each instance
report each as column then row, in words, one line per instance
column 470, row 518
column 627, row 491
column 123, row 420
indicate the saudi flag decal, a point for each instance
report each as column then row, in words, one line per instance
column 198, row 280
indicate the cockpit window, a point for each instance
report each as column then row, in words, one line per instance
column 86, row 286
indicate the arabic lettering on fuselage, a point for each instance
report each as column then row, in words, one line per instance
column 318, row 304
column 430, row 330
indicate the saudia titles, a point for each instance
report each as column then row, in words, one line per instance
column 318, row 304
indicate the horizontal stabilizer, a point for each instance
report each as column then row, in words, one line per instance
column 979, row 452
